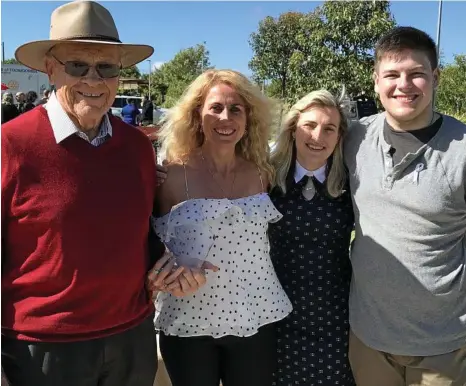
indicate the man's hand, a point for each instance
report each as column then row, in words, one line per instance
column 161, row 172
column 190, row 280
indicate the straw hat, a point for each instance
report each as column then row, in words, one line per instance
column 81, row 22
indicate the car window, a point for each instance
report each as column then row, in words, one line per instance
column 118, row 102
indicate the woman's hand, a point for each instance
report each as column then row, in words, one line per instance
column 190, row 280
column 163, row 273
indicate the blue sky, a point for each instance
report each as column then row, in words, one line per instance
column 224, row 26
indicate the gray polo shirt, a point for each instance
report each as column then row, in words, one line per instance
column 408, row 293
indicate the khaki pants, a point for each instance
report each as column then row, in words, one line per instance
column 376, row 368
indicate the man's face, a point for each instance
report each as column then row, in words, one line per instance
column 405, row 83
column 86, row 99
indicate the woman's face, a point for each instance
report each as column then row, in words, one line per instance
column 317, row 135
column 223, row 116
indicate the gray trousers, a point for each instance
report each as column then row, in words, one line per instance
column 125, row 359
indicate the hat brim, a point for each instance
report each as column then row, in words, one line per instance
column 33, row 54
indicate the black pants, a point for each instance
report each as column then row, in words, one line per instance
column 205, row 361
column 125, row 359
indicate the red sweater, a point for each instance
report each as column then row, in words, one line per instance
column 75, row 222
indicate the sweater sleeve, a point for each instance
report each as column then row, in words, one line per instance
column 9, row 171
column 156, row 246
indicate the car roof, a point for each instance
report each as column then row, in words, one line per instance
column 128, row 96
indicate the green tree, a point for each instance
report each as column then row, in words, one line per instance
column 170, row 80
column 274, row 45
column 179, row 72
column 130, row 72
column 327, row 48
column 11, row 61
column 158, row 87
column 351, row 31
column 450, row 95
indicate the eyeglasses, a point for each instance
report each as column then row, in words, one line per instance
column 79, row 69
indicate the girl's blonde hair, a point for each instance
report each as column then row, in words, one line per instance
column 180, row 133
column 282, row 154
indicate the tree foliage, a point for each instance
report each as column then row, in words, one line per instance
column 130, row 72
column 11, row 61
column 451, row 93
column 274, row 45
column 171, row 79
column 327, row 48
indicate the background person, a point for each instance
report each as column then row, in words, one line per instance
column 9, row 110
column 130, row 112
column 31, row 98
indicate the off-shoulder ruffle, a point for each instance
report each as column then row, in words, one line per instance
column 189, row 228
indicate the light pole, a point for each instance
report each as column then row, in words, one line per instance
column 150, row 71
column 203, row 55
column 439, row 28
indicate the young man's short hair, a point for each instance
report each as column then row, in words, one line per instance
column 406, row 38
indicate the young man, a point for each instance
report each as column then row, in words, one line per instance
column 407, row 170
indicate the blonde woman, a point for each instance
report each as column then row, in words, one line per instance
column 214, row 207
column 310, row 245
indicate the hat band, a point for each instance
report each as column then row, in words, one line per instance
column 102, row 38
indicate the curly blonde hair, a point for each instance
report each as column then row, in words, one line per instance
column 283, row 151
column 180, row 132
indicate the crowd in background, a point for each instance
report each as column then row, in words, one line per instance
column 12, row 108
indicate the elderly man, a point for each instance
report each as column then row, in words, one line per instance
column 78, row 189
column 20, row 100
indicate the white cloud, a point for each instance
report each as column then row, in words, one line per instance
column 157, row 65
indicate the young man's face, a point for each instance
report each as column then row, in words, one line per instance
column 405, row 83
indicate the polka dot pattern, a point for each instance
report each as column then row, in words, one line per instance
column 309, row 249
column 245, row 293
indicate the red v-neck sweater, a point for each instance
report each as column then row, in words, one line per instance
column 74, row 231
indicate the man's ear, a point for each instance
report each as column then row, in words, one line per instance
column 49, row 66
column 375, row 78
column 436, row 78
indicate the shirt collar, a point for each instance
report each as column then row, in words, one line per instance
column 62, row 125
column 300, row 172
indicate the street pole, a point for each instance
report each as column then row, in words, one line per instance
column 150, row 71
column 439, row 28
column 203, row 56
column 3, row 52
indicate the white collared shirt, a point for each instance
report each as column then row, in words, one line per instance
column 63, row 127
column 300, row 172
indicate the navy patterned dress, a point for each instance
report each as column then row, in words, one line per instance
column 310, row 252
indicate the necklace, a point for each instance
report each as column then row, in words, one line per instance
column 213, row 178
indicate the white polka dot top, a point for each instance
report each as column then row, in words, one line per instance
column 245, row 293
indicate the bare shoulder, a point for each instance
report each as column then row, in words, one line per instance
column 253, row 175
column 173, row 189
